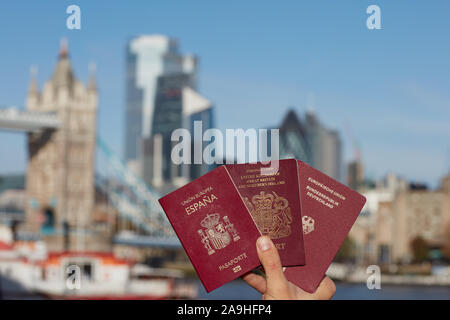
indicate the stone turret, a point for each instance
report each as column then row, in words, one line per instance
column 33, row 90
column 60, row 178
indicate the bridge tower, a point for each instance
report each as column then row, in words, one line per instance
column 60, row 176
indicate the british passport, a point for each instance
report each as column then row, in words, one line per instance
column 273, row 200
column 214, row 227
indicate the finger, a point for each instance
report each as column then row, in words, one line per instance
column 255, row 281
column 270, row 260
column 326, row 289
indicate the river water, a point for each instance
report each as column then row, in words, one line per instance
column 239, row 290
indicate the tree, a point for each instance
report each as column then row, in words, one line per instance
column 420, row 249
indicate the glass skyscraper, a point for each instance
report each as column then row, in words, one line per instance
column 161, row 97
column 147, row 58
column 309, row 140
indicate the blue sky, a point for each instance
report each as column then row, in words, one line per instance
column 258, row 58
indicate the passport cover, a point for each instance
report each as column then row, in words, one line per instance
column 329, row 210
column 274, row 203
column 214, row 227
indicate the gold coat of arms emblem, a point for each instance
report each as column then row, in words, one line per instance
column 217, row 233
column 271, row 213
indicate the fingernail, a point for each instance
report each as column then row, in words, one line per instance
column 264, row 243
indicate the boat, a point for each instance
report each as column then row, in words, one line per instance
column 28, row 271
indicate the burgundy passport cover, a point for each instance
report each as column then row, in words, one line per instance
column 214, row 227
column 329, row 210
column 274, row 203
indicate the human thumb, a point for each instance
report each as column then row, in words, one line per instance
column 270, row 260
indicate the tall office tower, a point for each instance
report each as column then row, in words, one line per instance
column 148, row 58
column 325, row 145
column 308, row 140
column 355, row 174
column 196, row 108
column 294, row 141
column 177, row 105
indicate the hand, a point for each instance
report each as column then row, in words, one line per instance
column 275, row 286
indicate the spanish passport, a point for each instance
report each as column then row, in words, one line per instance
column 214, row 227
column 329, row 210
column 273, row 200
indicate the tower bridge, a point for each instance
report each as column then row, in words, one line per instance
column 61, row 181
column 27, row 121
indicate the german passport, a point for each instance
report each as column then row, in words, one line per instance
column 329, row 210
column 214, row 227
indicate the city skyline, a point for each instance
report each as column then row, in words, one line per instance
column 390, row 89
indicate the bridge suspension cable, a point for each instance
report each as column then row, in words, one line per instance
column 133, row 199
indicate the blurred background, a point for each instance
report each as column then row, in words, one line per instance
column 89, row 97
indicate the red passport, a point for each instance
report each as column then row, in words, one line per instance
column 214, row 227
column 273, row 200
column 329, row 210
